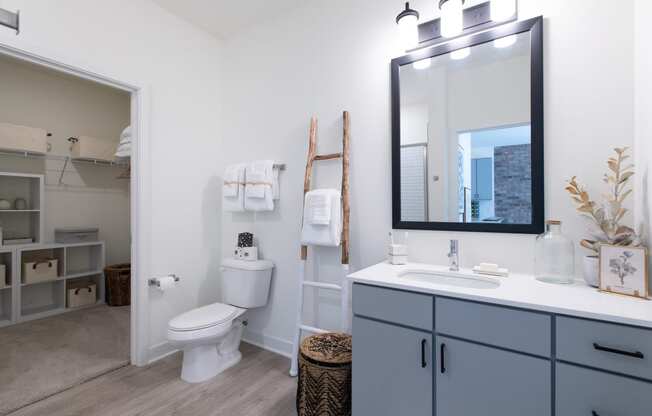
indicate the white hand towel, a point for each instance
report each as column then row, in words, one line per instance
column 232, row 181
column 234, row 203
column 258, row 189
column 319, row 206
column 323, row 235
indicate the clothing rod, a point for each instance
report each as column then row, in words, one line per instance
column 27, row 155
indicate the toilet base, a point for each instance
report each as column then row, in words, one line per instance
column 203, row 361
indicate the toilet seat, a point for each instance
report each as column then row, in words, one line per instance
column 209, row 316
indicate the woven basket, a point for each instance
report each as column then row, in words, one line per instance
column 324, row 385
column 118, row 284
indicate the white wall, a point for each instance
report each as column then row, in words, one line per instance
column 332, row 56
column 136, row 41
column 66, row 106
column 643, row 102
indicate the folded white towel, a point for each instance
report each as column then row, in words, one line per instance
column 233, row 175
column 319, row 234
column 234, row 193
column 259, row 180
column 124, row 148
column 319, row 206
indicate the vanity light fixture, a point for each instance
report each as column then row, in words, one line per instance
column 505, row 42
column 452, row 17
column 502, row 9
column 422, row 64
column 408, row 27
column 460, row 54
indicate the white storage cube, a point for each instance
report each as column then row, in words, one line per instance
column 3, row 276
column 76, row 235
column 41, row 271
column 91, row 148
column 16, row 138
column 82, row 295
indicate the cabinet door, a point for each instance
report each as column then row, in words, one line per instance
column 392, row 370
column 476, row 380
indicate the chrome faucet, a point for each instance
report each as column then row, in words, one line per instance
column 454, row 256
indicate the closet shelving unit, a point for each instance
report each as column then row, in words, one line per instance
column 28, row 222
column 77, row 263
column 80, row 263
column 6, row 288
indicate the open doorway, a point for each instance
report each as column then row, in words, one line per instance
column 66, row 215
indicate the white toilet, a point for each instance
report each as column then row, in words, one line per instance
column 210, row 336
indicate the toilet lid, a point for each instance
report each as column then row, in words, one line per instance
column 204, row 317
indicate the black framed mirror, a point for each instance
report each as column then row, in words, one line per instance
column 467, row 133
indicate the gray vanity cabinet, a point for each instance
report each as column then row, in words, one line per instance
column 392, row 370
column 422, row 355
column 474, row 379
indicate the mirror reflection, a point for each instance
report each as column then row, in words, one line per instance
column 466, row 136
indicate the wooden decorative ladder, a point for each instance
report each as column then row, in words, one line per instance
column 342, row 288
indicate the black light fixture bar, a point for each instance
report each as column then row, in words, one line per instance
column 476, row 18
column 10, row 20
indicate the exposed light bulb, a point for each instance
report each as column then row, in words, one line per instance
column 505, row 42
column 502, row 9
column 460, row 54
column 408, row 27
column 452, row 17
column 422, row 64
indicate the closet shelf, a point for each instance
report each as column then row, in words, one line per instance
column 37, row 156
column 19, row 210
column 64, row 278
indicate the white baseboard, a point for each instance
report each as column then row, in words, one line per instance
column 160, row 351
column 268, row 342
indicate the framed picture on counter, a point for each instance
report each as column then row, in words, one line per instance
column 623, row 270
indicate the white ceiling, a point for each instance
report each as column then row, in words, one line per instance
column 224, row 18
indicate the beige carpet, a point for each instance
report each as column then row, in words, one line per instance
column 44, row 357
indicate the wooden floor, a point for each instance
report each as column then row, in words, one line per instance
column 258, row 385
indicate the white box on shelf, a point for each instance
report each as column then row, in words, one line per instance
column 15, row 138
column 91, row 148
column 73, row 235
column 82, row 295
column 40, row 271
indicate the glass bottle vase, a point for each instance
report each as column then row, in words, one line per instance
column 555, row 256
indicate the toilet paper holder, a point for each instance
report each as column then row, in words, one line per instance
column 156, row 282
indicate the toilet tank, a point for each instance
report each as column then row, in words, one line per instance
column 245, row 284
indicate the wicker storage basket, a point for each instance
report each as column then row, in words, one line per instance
column 118, row 284
column 324, row 385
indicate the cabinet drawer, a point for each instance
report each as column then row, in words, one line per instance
column 405, row 308
column 518, row 330
column 584, row 392
column 612, row 347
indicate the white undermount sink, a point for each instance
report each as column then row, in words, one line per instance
column 458, row 279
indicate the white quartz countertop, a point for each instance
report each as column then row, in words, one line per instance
column 519, row 290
